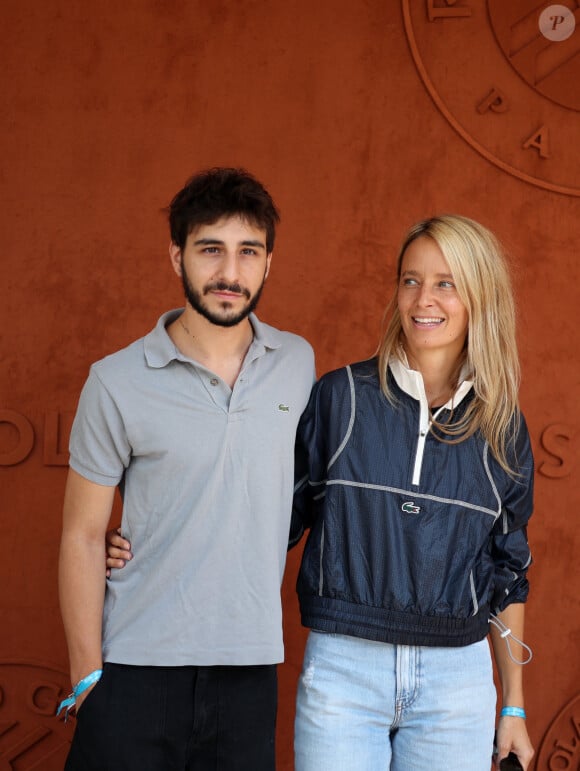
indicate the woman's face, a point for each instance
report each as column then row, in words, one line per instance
column 432, row 315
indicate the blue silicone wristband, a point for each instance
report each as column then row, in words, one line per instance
column 513, row 712
column 79, row 688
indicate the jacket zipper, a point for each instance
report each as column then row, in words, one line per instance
column 424, row 425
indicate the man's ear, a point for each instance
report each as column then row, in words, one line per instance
column 268, row 263
column 175, row 257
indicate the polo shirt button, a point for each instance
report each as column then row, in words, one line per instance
column 214, row 381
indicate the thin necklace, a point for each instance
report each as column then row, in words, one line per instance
column 186, row 329
column 240, row 357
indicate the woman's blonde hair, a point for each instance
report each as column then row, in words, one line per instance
column 481, row 276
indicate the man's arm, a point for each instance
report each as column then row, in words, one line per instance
column 512, row 734
column 87, row 508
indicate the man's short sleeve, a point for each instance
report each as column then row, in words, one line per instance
column 99, row 447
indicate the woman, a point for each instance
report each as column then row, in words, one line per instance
column 416, row 485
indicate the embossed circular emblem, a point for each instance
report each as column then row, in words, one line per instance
column 560, row 749
column 506, row 75
column 31, row 737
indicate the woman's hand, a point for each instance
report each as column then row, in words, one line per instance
column 512, row 736
column 118, row 550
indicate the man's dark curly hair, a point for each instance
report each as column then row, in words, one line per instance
column 222, row 192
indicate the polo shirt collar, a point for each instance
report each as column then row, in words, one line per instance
column 264, row 334
column 160, row 349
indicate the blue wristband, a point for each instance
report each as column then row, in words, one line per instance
column 513, row 712
column 79, row 688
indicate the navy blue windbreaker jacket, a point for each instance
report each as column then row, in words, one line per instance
column 412, row 540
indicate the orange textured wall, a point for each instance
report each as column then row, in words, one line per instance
column 361, row 117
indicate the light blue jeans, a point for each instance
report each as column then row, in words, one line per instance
column 369, row 706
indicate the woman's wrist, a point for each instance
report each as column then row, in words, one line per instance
column 510, row 711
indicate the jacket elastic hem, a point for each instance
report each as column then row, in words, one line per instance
column 394, row 627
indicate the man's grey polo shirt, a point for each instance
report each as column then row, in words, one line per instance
column 207, row 474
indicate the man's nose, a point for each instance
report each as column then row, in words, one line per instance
column 229, row 268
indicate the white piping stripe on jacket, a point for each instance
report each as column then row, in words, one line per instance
column 473, row 594
column 398, row 490
column 350, row 421
column 492, row 483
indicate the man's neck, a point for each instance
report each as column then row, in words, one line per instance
column 220, row 349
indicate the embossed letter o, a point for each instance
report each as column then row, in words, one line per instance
column 25, row 441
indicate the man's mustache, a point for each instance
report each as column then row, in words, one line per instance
column 223, row 286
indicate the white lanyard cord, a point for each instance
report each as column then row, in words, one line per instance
column 506, row 633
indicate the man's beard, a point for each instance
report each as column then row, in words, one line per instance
column 195, row 299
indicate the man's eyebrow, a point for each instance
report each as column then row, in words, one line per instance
column 254, row 243
column 217, row 241
column 206, row 241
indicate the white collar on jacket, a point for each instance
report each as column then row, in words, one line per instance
column 411, row 381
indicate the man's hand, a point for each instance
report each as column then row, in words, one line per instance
column 118, row 550
column 79, row 700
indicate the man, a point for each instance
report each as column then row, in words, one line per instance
column 196, row 424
